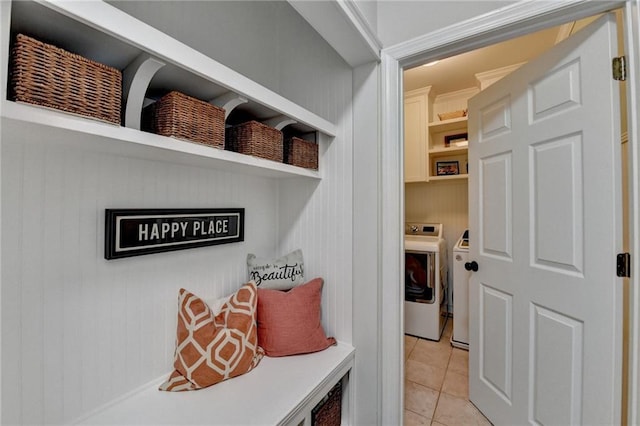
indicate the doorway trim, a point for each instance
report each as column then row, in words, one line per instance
column 505, row 23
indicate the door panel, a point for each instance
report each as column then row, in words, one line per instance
column 495, row 120
column 556, row 92
column 496, row 342
column 545, row 212
column 495, row 184
column 557, row 367
column 556, row 168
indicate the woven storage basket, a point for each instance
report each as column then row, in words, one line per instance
column 48, row 76
column 180, row 116
column 301, row 153
column 257, row 139
column 328, row 412
column 452, row 114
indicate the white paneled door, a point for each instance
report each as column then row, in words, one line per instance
column 545, row 227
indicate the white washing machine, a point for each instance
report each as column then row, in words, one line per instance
column 425, row 256
column 460, row 337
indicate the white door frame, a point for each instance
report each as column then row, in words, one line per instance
column 505, row 23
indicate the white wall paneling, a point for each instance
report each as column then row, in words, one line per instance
column 79, row 331
column 84, row 330
column 366, row 246
column 391, row 239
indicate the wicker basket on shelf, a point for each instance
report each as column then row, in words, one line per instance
column 301, row 153
column 257, row 139
column 48, row 76
column 183, row 117
column 328, row 412
column 452, row 114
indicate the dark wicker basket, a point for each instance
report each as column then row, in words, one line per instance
column 328, row 412
column 48, row 76
column 301, row 153
column 257, row 139
column 183, row 117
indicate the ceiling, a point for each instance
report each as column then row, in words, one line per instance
column 458, row 72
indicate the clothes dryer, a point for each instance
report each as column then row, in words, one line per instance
column 425, row 306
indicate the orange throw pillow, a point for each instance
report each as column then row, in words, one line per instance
column 289, row 322
column 210, row 349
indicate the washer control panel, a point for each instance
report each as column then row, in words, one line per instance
column 423, row 229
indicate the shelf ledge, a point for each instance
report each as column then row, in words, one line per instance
column 143, row 144
column 448, row 177
column 455, row 150
column 448, row 124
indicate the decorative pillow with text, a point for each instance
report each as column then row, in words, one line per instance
column 277, row 274
column 212, row 348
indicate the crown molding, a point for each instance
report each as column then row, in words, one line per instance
column 341, row 24
column 492, row 27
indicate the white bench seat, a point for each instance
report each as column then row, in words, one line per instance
column 278, row 391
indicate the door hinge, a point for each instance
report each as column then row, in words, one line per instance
column 623, row 265
column 619, row 67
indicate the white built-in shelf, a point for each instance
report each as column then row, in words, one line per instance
column 446, row 125
column 109, row 138
column 450, row 151
column 104, row 33
column 448, row 177
column 279, row 391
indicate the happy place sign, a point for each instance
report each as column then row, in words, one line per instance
column 133, row 232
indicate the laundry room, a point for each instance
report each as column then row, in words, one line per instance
column 438, row 210
column 436, row 164
column 495, row 184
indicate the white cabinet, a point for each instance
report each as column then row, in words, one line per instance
column 416, row 119
column 435, row 149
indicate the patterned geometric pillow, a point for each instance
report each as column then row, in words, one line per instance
column 210, row 349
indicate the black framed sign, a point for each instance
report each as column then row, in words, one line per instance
column 134, row 232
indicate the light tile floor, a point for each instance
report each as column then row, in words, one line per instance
column 436, row 389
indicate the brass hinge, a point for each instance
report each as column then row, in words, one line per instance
column 619, row 66
column 623, row 265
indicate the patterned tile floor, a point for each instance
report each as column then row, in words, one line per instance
column 436, row 384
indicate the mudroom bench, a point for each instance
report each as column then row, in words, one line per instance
column 279, row 391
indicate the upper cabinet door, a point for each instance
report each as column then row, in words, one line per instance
column 416, row 119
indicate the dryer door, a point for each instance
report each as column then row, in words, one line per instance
column 419, row 277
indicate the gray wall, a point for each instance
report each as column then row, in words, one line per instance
column 399, row 21
column 267, row 41
column 369, row 10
